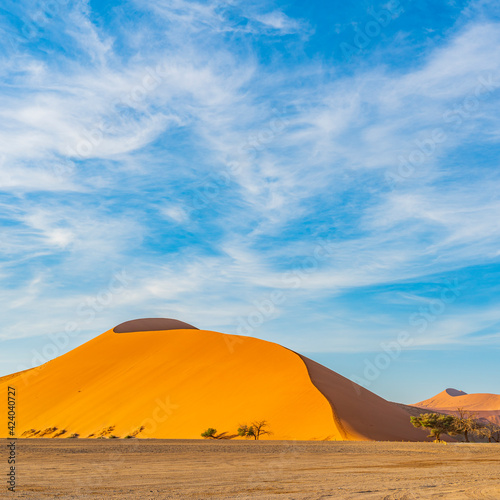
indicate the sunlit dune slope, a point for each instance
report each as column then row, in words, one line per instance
column 485, row 406
column 177, row 383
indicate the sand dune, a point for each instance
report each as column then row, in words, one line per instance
column 485, row 406
column 176, row 383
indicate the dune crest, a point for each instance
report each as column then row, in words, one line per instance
column 176, row 383
column 152, row 325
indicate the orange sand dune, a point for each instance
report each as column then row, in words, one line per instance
column 485, row 406
column 175, row 383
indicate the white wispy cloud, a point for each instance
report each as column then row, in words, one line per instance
column 179, row 155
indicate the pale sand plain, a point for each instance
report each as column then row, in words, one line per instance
column 196, row 469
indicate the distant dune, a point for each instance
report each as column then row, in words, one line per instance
column 159, row 378
column 486, row 406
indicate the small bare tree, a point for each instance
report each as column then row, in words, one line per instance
column 465, row 422
column 490, row 431
column 255, row 430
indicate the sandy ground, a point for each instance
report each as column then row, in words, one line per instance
column 164, row 469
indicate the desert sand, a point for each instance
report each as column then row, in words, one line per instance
column 485, row 406
column 176, row 383
column 164, row 469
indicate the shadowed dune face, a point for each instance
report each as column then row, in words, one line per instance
column 359, row 413
column 177, row 383
column 455, row 392
column 152, row 325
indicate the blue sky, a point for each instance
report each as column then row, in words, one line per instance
column 320, row 175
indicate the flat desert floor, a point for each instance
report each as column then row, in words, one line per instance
column 164, row 469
